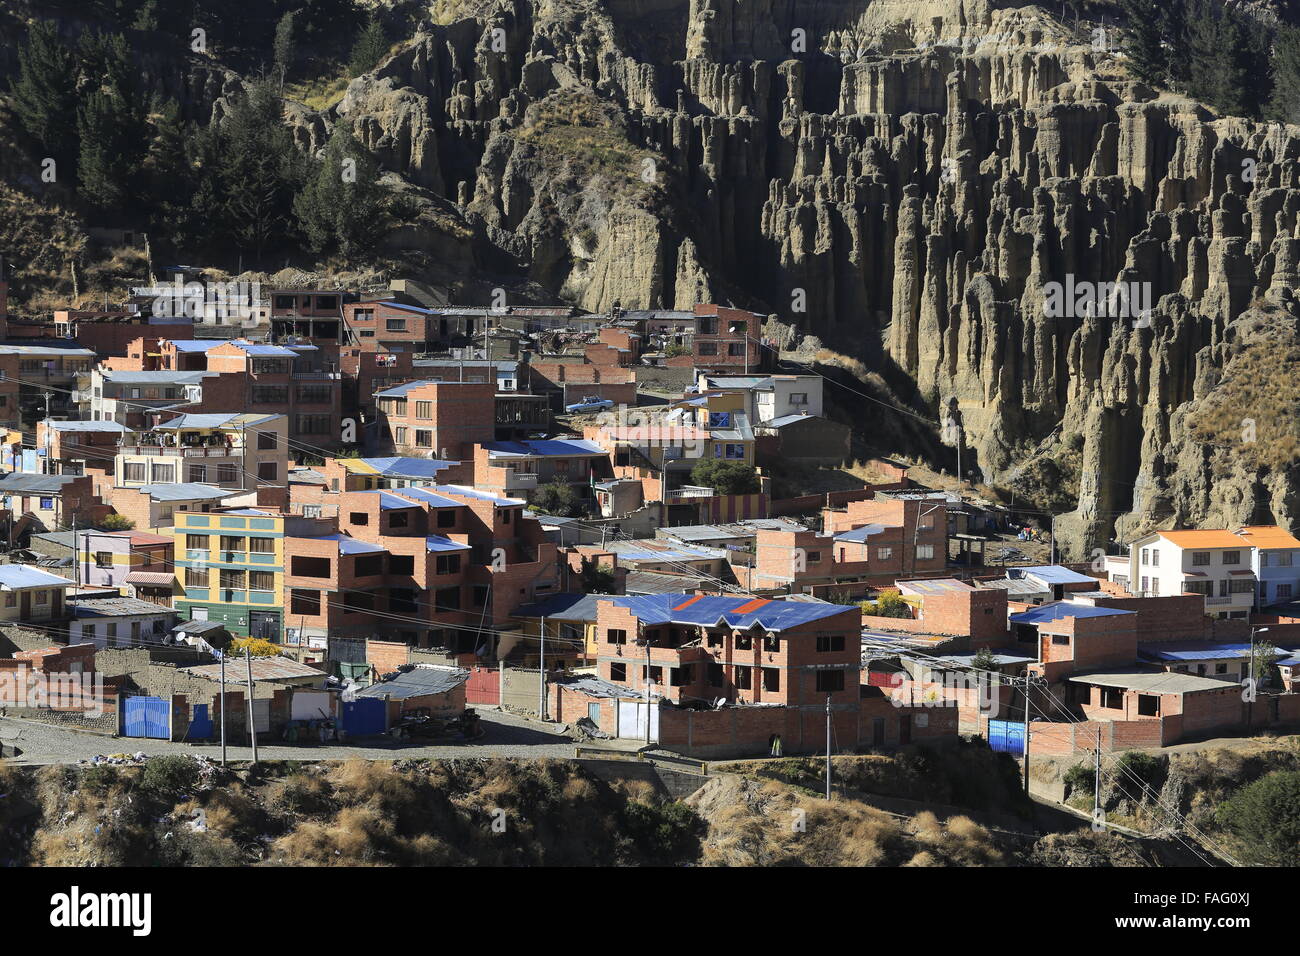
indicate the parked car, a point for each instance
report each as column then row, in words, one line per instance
column 420, row 723
column 590, row 403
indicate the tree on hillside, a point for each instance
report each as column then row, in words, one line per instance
column 369, row 49
column 1284, row 104
column 1145, row 40
column 284, row 48
column 556, row 498
column 726, row 477
column 1265, row 816
column 260, row 170
column 110, row 124
column 342, row 205
column 45, row 94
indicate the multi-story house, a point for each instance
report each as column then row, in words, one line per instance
column 80, row 448
column 130, row 398
column 521, row 467
column 728, row 340
column 308, row 314
column 1214, row 563
column 231, row 567
column 768, row 397
column 1275, row 559
column 704, row 648
column 443, row 419
column 300, row 382
column 51, row 376
column 228, row 450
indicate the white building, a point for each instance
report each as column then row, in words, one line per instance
column 1217, row 564
column 768, row 397
column 1276, row 563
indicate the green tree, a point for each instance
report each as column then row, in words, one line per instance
column 726, row 477
column 1145, row 40
column 1284, row 104
column 260, row 170
column 115, row 522
column 1265, row 816
column 985, row 660
column 342, row 206
column 284, row 49
column 45, row 93
column 370, row 48
column 110, row 124
column 556, row 498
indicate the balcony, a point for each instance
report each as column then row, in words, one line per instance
column 519, row 480
column 179, row 451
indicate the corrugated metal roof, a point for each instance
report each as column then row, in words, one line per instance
column 563, row 607
column 86, row 426
column 216, row 420
column 153, row 378
column 116, row 607
column 264, row 669
column 21, row 482
column 186, row 491
column 468, row 492
column 430, row 498
column 151, row 578
column 398, row 467
column 14, row 577
column 349, row 545
column 1153, row 682
column 706, row 610
column 543, row 448
column 860, row 534
column 1178, row 651
column 1060, row 609
column 436, row 542
column 420, row 681
column 1051, row 574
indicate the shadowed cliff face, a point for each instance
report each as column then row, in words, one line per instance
column 970, row 195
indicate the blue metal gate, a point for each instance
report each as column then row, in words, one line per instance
column 146, row 717
column 363, row 716
column 200, row 724
column 1007, row 737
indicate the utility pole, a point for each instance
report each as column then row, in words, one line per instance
column 1025, row 745
column 828, row 746
column 648, row 685
column 1053, row 560
column 252, row 723
column 1096, row 780
column 45, row 465
column 223, row 706
column 541, row 667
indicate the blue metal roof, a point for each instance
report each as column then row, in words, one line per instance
column 783, row 420
column 430, row 498
column 399, row 391
column 196, row 345
column 436, row 542
column 466, row 491
column 278, row 351
column 1195, row 651
column 564, row 607
column 388, row 501
column 215, row 420
column 407, row 467
column 1059, row 609
column 545, row 448
column 710, row 609
column 1052, row 574
column 349, row 545
column 860, row 534
column 14, row 576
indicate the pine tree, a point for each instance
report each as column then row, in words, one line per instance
column 260, row 168
column 342, row 206
column 284, row 47
column 111, row 124
column 370, row 48
column 44, row 95
column 1144, row 41
column 1284, row 104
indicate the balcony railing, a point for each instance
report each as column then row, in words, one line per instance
column 183, row 451
column 520, row 479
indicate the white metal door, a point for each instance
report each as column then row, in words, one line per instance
column 262, row 715
column 632, row 717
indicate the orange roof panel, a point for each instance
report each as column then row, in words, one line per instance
column 1269, row 536
column 1204, row 539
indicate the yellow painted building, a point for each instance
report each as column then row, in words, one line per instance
column 230, row 565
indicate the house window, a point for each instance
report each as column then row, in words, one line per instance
column 198, row 474
column 924, row 551
column 446, row 518
column 227, row 474
column 618, row 672
column 395, row 325
column 103, row 559
column 261, row 545
column 708, row 348
column 884, row 554
column 164, row 474
column 399, row 435
column 267, row 441
column 42, row 597
column 399, row 519
column 1283, row 559
column 771, row 679
column 196, row 577
column 829, row 682
column 424, row 409
column 424, row 438
column 232, row 580
column 1284, row 590
column 261, row 580
column 798, row 398
column 231, row 542
column 1112, row 698
column 615, row 636
column 742, row 678
column 11, row 599
column 302, row 601
column 1149, row 705
column 1200, row 558
column 1232, row 557
column 359, row 517
column 448, row 564
column 717, row 676
column 196, row 542
column 828, row 643
column 448, row 599
column 401, row 564
column 267, row 471
column 133, row 471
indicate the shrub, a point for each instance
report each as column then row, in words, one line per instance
column 663, row 833
column 1081, row 778
column 726, row 477
column 1265, row 816
column 169, row 775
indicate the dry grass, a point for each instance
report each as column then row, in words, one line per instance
column 1253, row 411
